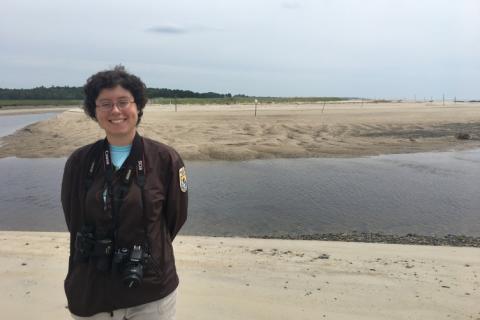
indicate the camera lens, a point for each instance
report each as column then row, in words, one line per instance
column 132, row 275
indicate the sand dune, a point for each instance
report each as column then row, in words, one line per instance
column 278, row 131
column 234, row 278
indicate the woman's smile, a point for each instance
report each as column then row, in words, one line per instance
column 116, row 121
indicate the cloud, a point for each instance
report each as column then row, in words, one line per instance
column 177, row 30
column 291, row 4
column 168, row 29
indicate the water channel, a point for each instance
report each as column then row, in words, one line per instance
column 425, row 193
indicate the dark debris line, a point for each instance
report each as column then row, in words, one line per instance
column 411, row 238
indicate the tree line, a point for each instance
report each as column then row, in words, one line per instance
column 76, row 93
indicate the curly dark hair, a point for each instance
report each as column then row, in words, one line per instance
column 108, row 79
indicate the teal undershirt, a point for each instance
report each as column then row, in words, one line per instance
column 119, row 154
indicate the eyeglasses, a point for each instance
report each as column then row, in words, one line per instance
column 108, row 105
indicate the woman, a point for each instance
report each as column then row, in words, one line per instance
column 124, row 200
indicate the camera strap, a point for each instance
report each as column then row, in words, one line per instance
column 93, row 156
column 134, row 165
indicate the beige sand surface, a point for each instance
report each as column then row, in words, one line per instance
column 31, row 110
column 235, row 278
column 279, row 131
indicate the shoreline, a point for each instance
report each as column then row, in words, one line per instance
column 248, row 278
column 13, row 111
column 232, row 133
column 450, row 240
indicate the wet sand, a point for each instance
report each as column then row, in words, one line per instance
column 235, row 278
column 19, row 110
column 223, row 132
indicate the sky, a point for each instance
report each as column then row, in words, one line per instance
column 395, row 49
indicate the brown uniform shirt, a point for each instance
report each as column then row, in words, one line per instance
column 90, row 291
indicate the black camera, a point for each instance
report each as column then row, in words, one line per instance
column 84, row 244
column 130, row 263
column 88, row 246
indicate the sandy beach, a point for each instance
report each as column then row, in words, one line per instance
column 235, row 278
column 232, row 132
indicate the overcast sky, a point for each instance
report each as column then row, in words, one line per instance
column 354, row 48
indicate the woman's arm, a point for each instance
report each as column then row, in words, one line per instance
column 68, row 183
column 177, row 197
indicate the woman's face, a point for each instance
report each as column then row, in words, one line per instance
column 117, row 114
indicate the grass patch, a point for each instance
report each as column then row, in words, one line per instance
column 183, row 101
column 243, row 100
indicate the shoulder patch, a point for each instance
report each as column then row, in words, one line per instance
column 182, row 176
